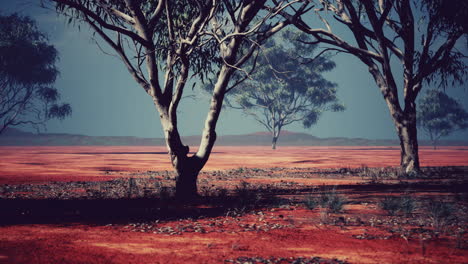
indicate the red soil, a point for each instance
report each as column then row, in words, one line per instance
column 96, row 244
column 39, row 164
column 302, row 236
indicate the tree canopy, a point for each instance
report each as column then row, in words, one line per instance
column 287, row 85
column 417, row 39
column 439, row 115
column 27, row 73
column 163, row 43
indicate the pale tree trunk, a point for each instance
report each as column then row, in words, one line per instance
column 404, row 120
column 273, row 142
column 275, row 136
column 405, row 123
column 188, row 167
column 184, row 166
column 407, row 134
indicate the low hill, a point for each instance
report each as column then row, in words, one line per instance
column 16, row 137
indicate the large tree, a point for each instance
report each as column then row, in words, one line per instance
column 439, row 115
column 416, row 39
column 176, row 40
column 287, row 86
column 27, row 73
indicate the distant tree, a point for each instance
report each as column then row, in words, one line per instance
column 287, row 85
column 440, row 115
column 27, row 73
column 164, row 43
column 415, row 38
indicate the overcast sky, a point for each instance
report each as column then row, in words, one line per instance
column 106, row 101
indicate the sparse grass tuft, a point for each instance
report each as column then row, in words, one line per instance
column 246, row 195
column 332, row 201
column 393, row 205
column 377, row 175
column 440, row 214
column 311, row 203
column 328, row 199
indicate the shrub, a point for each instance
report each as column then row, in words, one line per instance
column 440, row 213
column 311, row 202
column 408, row 205
column 336, row 203
column 328, row 199
column 393, row 205
column 376, row 175
column 390, row 204
column 247, row 196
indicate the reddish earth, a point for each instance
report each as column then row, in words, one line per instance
column 279, row 233
column 39, row 164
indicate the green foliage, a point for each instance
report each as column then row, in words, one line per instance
column 439, row 115
column 287, row 84
column 447, row 18
column 182, row 13
column 27, row 71
column 448, row 15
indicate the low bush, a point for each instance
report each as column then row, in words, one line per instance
column 394, row 205
column 440, row 214
column 332, row 201
column 246, row 195
column 377, row 175
column 328, row 199
column 311, row 202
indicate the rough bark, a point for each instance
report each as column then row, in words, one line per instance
column 409, row 147
column 184, row 166
column 405, row 123
column 374, row 30
column 188, row 167
column 131, row 22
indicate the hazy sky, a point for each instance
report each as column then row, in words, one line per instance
column 106, row 101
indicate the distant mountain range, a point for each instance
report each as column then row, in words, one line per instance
column 16, row 137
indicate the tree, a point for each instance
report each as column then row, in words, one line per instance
column 416, row 38
column 440, row 115
column 27, row 71
column 287, row 86
column 178, row 39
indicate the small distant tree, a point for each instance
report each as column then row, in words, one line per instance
column 287, row 85
column 440, row 115
column 27, row 73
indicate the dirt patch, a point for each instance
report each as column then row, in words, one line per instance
column 247, row 213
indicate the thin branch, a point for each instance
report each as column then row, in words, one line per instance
column 89, row 13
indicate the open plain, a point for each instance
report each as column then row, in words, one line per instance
column 256, row 205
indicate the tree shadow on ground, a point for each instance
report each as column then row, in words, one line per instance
column 127, row 210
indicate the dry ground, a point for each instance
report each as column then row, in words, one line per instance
column 113, row 205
